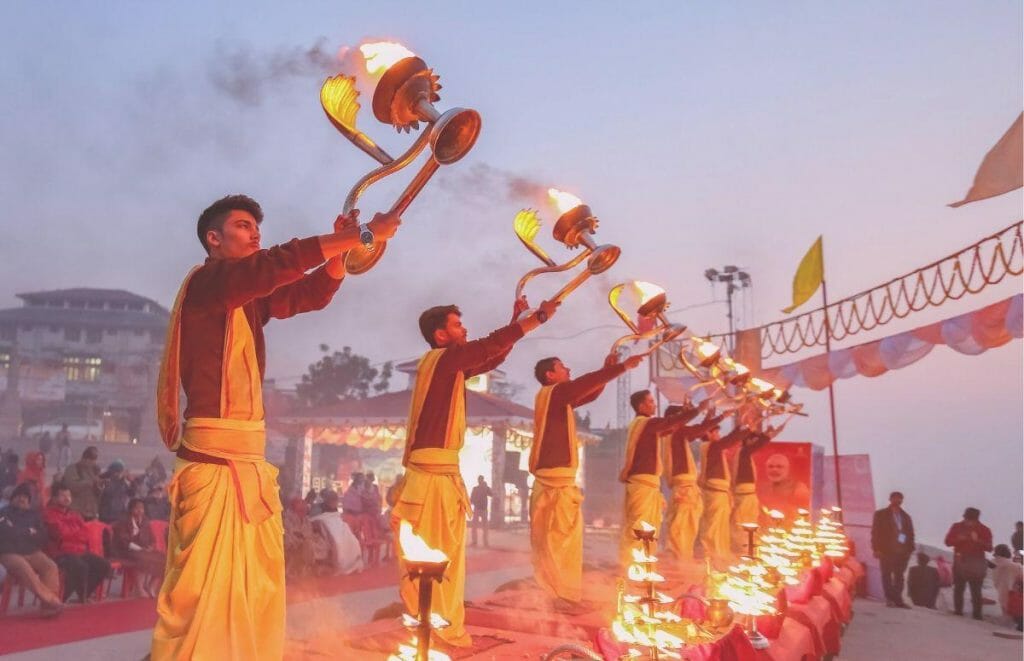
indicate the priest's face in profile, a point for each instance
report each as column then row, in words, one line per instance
column 237, row 237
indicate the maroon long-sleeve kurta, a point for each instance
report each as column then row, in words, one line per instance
column 645, row 454
column 745, row 459
column 470, row 359
column 268, row 284
column 715, row 453
column 554, row 450
column 678, row 441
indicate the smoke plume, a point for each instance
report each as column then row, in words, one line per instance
column 246, row 75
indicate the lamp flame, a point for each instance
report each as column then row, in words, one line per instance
column 647, row 290
column 382, row 55
column 563, row 201
column 413, row 547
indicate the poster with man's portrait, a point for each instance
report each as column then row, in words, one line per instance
column 784, row 476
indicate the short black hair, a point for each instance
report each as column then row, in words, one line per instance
column 972, row 513
column 1002, row 551
column 435, row 319
column 541, row 369
column 894, row 494
column 636, row 398
column 90, row 453
column 213, row 216
column 135, row 501
column 923, row 558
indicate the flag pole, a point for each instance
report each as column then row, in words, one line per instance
column 831, row 392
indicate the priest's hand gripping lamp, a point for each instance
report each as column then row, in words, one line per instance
column 574, row 228
column 404, row 97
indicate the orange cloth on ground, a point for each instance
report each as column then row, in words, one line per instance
column 223, row 594
column 556, row 519
column 432, row 498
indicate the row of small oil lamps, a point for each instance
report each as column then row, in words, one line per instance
column 751, row 588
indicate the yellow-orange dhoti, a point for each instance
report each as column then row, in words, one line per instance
column 644, row 502
column 223, row 593
column 745, row 509
column 433, row 499
column 715, row 533
column 556, row 532
column 684, row 515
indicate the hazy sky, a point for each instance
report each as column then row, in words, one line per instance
column 701, row 134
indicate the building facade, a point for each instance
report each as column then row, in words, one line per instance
column 87, row 358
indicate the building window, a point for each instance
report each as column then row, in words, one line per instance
column 72, row 334
column 82, row 368
column 94, row 305
column 5, row 361
column 93, row 336
column 77, row 304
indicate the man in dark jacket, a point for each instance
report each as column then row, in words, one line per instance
column 892, row 541
column 923, row 582
column 22, row 537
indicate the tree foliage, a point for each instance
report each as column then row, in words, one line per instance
column 341, row 375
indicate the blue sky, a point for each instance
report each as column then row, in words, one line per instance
column 701, row 134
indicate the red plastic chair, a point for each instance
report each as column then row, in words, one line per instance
column 159, row 530
column 98, row 532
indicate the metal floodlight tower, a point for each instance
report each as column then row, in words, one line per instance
column 735, row 279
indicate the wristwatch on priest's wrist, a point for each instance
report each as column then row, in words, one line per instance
column 366, row 236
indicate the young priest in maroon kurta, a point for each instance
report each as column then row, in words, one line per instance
column 223, row 596
column 556, row 523
column 432, row 501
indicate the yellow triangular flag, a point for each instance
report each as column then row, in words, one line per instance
column 808, row 276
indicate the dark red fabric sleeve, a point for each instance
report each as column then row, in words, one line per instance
column 231, row 283
column 585, row 389
column 480, row 353
column 312, row 292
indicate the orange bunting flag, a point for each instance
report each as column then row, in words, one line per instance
column 1002, row 169
column 809, row 276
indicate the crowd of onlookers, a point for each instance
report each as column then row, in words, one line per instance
column 893, row 543
column 328, row 532
column 67, row 536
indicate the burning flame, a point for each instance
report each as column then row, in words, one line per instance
column 643, row 526
column 706, row 349
column 646, row 290
column 563, row 201
column 761, row 386
column 640, row 557
column 382, row 55
column 408, row 653
column 414, row 548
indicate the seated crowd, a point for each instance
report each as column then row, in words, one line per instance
column 327, row 534
column 69, row 538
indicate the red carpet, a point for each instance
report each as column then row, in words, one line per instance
column 28, row 631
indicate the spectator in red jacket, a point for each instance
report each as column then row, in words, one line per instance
column 69, row 547
column 970, row 540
